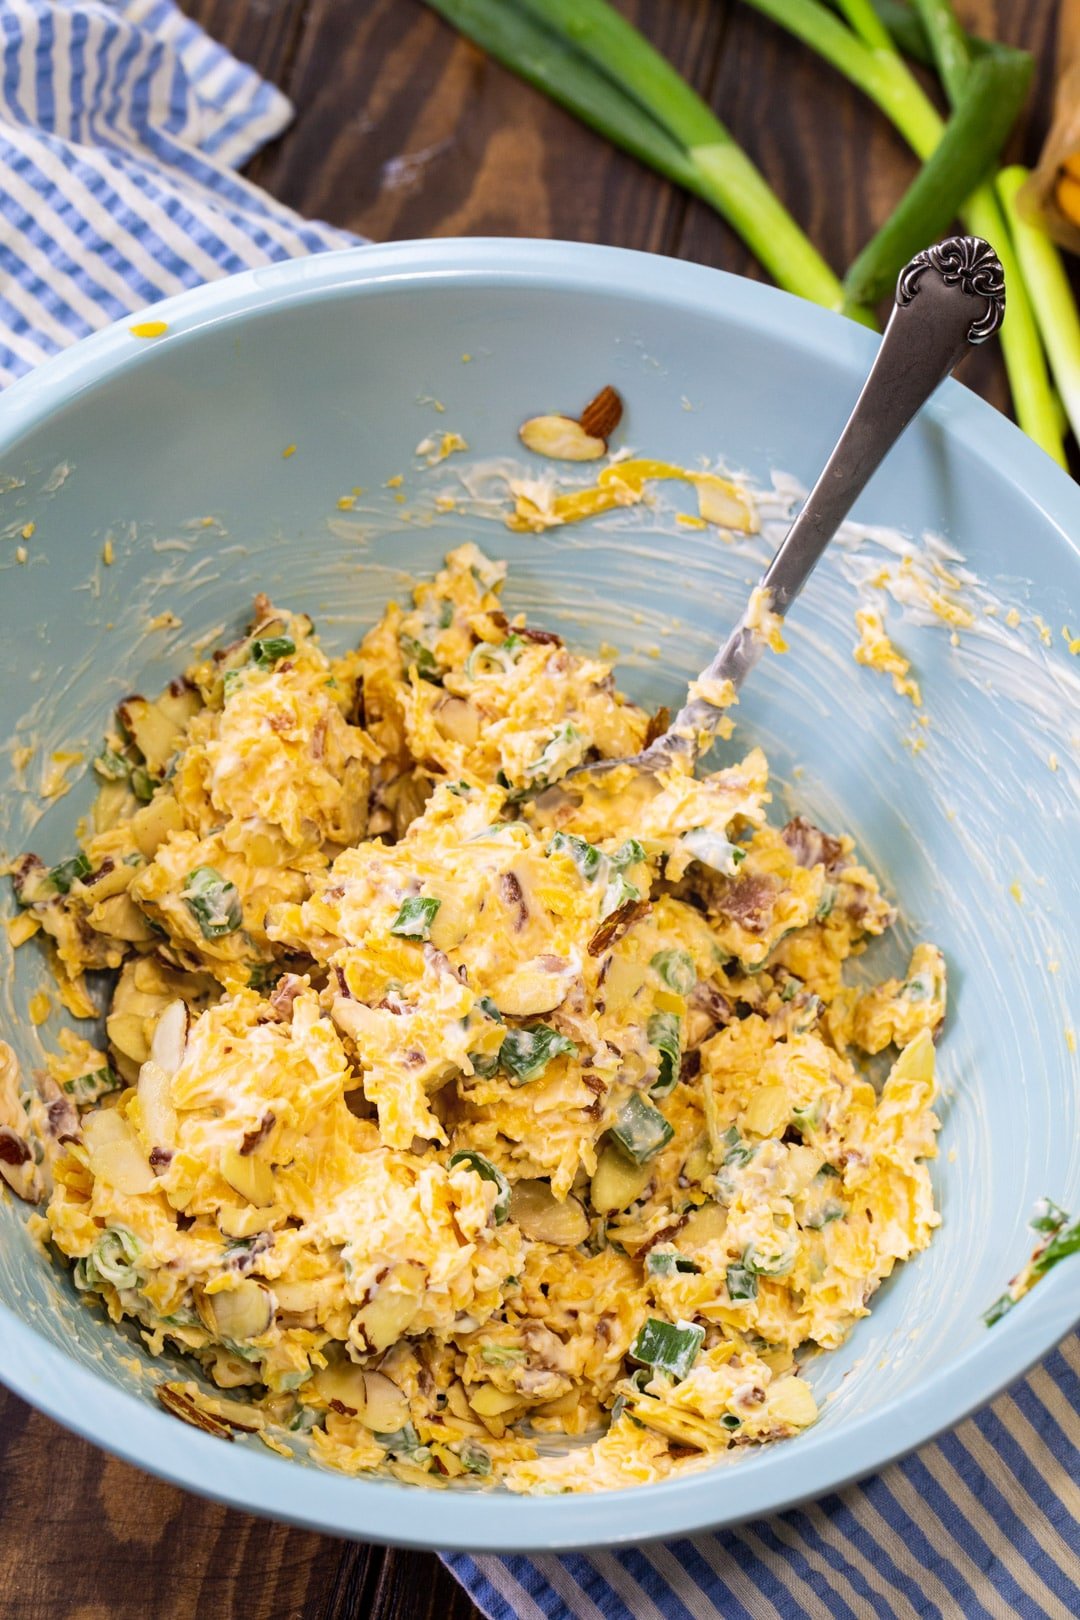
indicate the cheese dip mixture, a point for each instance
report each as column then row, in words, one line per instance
column 442, row 1117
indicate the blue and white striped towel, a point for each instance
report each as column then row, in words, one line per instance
column 120, row 124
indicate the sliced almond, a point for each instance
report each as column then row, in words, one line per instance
column 542, row 1217
column 602, row 414
column 617, row 1182
column 175, row 1399
column 561, row 439
column 170, row 1037
column 120, row 918
column 721, row 502
column 706, row 1224
column 249, row 1176
column 116, row 1157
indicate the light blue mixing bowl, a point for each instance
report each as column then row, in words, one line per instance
column 142, row 439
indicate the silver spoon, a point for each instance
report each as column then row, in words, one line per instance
column 949, row 297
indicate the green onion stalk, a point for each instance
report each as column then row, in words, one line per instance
column 587, row 57
column 863, row 50
column 1051, row 295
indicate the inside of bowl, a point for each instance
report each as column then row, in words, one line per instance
column 264, row 454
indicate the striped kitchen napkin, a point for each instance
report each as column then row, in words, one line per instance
column 121, row 126
column 983, row 1524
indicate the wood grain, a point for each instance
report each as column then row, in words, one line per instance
column 404, row 130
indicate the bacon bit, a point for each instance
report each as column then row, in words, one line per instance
column 666, row 1234
column 21, row 871
column 284, row 994
column 553, row 964
column 318, row 739
column 810, row 846
column 658, row 724
column 546, row 638
column 676, row 1450
column 593, row 1083
column 160, row 1159
column 343, row 988
column 61, row 1116
column 386, row 1005
column 749, row 901
column 341, row 1409
column 613, row 928
column 13, row 1149
column 280, row 722
column 180, row 685
column 690, row 1067
column 414, row 1059
column 252, row 1139
column 108, row 865
column 357, row 713
column 513, row 896
column 499, row 619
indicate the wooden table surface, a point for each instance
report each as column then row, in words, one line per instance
column 404, row 131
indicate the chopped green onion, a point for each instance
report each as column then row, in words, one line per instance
column 640, row 1129
column 1062, row 1240
column 741, row 1284
column 730, row 1421
column 677, row 970
column 790, row 988
column 617, row 893
column 416, row 654
column 771, row 1263
column 63, row 875
column 142, row 783
column 491, row 658
column 713, row 849
column 487, row 1172
column 826, row 903
column 114, row 1256
column 304, row 1419
column 402, row 1442
column 112, row 766
column 669, row 1347
column 665, row 1033
column 473, row 1458
column 830, row 1210
column 489, row 1009
column 501, row 1355
column 88, row 1088
column 415, row 917
column 585, row 856
column 630, row 853
column 526, row 1053
column 565, row 750
column 213, row 901
column 809, row 1118
column 738, row 1151
column 267, row 650
column 664, row 1263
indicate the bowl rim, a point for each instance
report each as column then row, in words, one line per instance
column 819, row 1462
